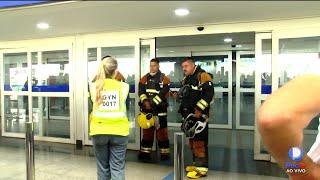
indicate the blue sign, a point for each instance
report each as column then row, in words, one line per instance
column 7, row 4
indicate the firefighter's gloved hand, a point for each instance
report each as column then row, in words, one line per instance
column 197, row 112
column 146, row 106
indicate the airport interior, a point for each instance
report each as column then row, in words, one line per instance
column 50, row 52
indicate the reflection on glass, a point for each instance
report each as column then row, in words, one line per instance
column 265, row 67
column 247, row 109
column 51, row 73
column 15, row 113
column 298, row 56
column 15, row 72
column 145, row 59
column 263, row 148
column 219, row 109
column 127, row 64
column 132, row 119
column 173, row 115
column 218, row 112
column 216, row 66
column 247, row 68
column 93, row 63
column 51, row 116
column 314, row 124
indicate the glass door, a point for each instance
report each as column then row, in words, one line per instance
column 36, row 87
column 219, row 66
column 299, row 53
column 127, row 55
column 14, row 108
column 263, row 85
column 14, row 92
column 245, row 90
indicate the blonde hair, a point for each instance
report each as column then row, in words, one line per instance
column 105, row 70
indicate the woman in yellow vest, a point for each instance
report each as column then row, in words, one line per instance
column 109, row 126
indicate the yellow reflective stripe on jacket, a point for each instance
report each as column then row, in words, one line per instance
column 203, row 102
column 196, row 88
column 152, row 91
column 143, row 97
column 200, row 106
column 162, row 114
column 157, row 99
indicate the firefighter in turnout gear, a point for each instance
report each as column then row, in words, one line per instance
column 153, row 93
column 196, row 94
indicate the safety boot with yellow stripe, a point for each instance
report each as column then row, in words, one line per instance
column 196, row 172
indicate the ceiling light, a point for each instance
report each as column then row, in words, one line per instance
column 42, row 25
column 171, row 51
column 181, row 12
column 227, row 40
column 238, row 46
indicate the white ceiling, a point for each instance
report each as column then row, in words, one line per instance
column 97, row 16
column 205, row 40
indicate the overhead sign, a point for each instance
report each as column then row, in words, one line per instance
column 8, row 4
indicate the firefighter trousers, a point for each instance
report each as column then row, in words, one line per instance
column 161, row 136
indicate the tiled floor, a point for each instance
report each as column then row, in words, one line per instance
column 230, row 157
column 52, row 165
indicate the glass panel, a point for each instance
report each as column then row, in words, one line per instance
column 265, row 67
column 298, row 56
column 131, row 116
column 93, row 63
column 247, row 110
column 15, row 72
column 15, row 113
column 127, row 64
column 51, row 116
column 247, row 68
column 263, row 148
column 145, row 58
column 219, row 109
column 217, row 67
column 173, row 115
column 51, row 73
column 314, row 124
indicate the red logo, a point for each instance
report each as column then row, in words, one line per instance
column 302, row 165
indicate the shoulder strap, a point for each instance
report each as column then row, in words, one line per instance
column 161, row 77
column 199, row 75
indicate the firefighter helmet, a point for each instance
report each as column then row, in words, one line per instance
column 192, row 125
column 146, row 121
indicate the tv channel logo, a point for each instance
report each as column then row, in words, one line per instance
column 295, row 154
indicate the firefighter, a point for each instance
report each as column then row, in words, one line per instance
column 196, row 94
column 153, row 93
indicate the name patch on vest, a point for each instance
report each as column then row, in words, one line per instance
column 110, row 100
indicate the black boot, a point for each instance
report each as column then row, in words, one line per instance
column 144, row 156
column 164, row 157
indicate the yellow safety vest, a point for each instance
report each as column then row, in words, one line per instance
column 110, row 117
